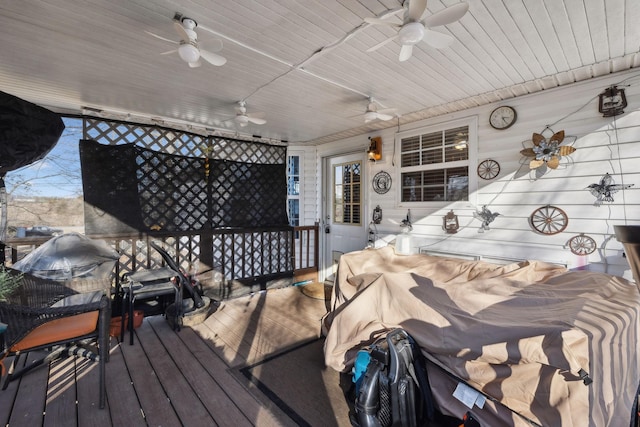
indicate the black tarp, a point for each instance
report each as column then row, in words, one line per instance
column 27, row 132
column 129, row 188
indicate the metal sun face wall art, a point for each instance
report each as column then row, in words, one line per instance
column 547, row 152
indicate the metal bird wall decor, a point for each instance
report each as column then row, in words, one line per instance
column 486, row 216
column 547, row 152
column 603, row 191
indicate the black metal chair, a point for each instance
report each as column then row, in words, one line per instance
column 144, row 285
column 46, row 314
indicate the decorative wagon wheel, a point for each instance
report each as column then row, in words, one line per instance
column 582, row 245
column 488, row 169
column 549, row 220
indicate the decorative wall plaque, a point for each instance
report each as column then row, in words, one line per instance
column 382, row 182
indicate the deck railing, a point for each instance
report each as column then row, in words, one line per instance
column 247, row 256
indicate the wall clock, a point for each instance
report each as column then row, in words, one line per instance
column 582, row 244
column 503, row 117
column 381, row 182
column 488, row 169
column 549, row 220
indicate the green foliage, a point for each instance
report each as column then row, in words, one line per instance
column 8, row 283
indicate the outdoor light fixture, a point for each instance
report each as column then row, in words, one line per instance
column 612, row 102
column 450, row 222
column 375, row 149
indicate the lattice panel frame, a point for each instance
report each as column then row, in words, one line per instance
column 172, row 141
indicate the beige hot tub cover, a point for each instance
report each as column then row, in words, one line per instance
column 525, row 334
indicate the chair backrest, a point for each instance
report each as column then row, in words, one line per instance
column 36, row 292
column 184, row 280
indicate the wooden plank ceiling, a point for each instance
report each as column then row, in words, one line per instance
column 302, row 63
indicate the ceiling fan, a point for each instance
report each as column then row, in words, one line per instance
column 243, row 118
column 415, row 29
column 373, row 113
column 189, row 49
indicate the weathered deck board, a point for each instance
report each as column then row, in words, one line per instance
column 172, row 378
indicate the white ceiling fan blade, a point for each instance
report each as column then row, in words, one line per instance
column 181, row 31
column 169, row 52
column 405, row 52
column 416, row 9
column 257, row 121
column 447, row 16
column 436, row 39
column 195, row 64
column 384, row 117
column 161, row 38
column 378, row 21
column 379, row 45
column 213, row 58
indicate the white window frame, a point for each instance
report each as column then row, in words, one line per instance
column 471, row 162
column 299, row 196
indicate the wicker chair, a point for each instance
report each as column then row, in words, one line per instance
column 46, row 314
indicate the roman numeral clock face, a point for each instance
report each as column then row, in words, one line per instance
column 503, row 117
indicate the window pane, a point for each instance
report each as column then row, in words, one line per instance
column 432, row 156
column 432, row 140
column 356, row 193
column 338, row 197
column 410, row 159
column 294, row 165
column 294, row 212
column 337, row 174
column 356, row 214
column 347, row 214
column 409, row 144
column 355, row 168
column 411, row 183
column 457, row 184
column 293, row 186
column 434, row 177
column 434, row 194
column 457, row 152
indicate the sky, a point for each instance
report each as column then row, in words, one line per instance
column 56, row 175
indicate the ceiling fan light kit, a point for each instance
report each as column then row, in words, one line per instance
column 415, row 28
column 189, row 53
column 189, row 50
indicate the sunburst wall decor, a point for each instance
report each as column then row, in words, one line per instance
column 547, row 151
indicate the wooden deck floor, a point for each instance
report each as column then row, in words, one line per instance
column 172, row 378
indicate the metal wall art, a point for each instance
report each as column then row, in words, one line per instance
column 547, row 152
column 603, row 191
column 582, row 244
column 549, row 220
column 381, row 182
column 488, row 169
column 486, row 216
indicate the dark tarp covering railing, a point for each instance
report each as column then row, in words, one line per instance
column 129, row 188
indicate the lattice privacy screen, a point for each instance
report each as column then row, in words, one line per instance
column 212, row 183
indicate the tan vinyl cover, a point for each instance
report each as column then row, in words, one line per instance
column 521, row 332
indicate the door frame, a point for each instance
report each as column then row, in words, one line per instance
column 325, row 263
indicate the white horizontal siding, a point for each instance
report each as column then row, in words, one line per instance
column 602, row 145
